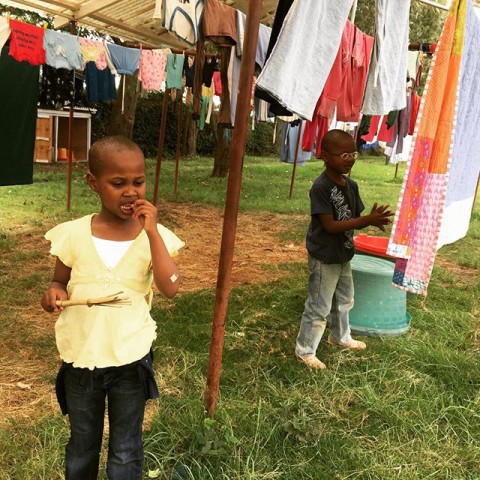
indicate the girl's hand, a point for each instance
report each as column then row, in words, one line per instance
column 50, row 297
column 147, row 214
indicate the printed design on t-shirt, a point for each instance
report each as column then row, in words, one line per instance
column 342, row 212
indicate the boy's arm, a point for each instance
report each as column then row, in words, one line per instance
column 165, row 272
column 378, row 217
column 58, row 287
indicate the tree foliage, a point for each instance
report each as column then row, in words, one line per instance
column 425, row 21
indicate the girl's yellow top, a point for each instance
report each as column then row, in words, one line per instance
column 100, row 336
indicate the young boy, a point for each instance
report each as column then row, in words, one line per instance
column 335, row 212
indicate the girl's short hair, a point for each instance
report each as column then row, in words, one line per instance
column 114, row 143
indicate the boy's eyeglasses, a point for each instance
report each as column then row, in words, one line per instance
column 345, row 156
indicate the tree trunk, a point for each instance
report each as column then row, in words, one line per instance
column 221, row 162
column 121, row 123
column 191, row 143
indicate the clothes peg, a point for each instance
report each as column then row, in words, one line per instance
column 45, row 25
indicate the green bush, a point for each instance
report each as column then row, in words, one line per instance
column 147, row 127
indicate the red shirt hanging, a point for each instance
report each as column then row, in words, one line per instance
column 26, row 43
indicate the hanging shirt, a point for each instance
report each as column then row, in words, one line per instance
column 209, row 67
column 126, row 60
column 183, row 18
column 220, row 23
column 217, row 82
column 174, row 70
column 93, row 51
column 26, row 43
column 62, row 50
column 152, row 68
column 189, row 71
column 100, row 84
column 5, row 31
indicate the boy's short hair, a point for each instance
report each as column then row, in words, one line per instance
column 114, row 143
column 333, row 136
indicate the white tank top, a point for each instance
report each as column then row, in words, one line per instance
column 111, row 251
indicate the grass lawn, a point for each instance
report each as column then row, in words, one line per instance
column 406, row 408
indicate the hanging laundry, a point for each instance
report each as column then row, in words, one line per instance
column 19, row 87
column 290, row 134
column 385, row 88
column 413, row 62
column 465, row 163
column 5, row 31
column 209, row 68
column 125, row 60
column 58, row 87
column 174, row 70
column 261, row 110
column 439, row 186
column 62, row 50
column 182, row 18
column 282, row 9
column 235, row 60
column 26, row 43
column 219, row 23
column 189, row 71
column 308, row 43
column 93, row 51
column 152, row 68
column 217, row 82
column 263, row 42
column 414, row 112
column 100, row 84
column 314, row 133
column 401, row 126
column 353, row 85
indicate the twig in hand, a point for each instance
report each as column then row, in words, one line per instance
column 115, row 300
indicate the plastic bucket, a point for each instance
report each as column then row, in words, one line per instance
column 380, row 308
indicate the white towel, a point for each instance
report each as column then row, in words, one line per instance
column 296, row 71
column 387, row 75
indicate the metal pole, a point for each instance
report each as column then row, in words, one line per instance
column 295, row 159
column 73, row 31
column 161, row 141
column 179, row 141
column 232, row 200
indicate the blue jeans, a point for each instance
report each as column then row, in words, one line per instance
column 86, row 395
column 330, row 291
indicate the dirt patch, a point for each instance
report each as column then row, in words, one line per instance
column 26, row 388
column 256, row 246
column 472, row 274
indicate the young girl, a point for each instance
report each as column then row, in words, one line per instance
column 106, row 351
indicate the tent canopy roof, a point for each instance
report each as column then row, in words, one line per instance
column 130, row 20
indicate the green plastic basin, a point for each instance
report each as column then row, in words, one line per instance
column 380, row 308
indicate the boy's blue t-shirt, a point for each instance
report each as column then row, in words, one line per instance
column 344, row 203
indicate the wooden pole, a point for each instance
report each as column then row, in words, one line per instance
column 295, row 159
column 396, row 169
column 179, row 141
column 73, row 31
column 161, row 142
column 232, row 200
